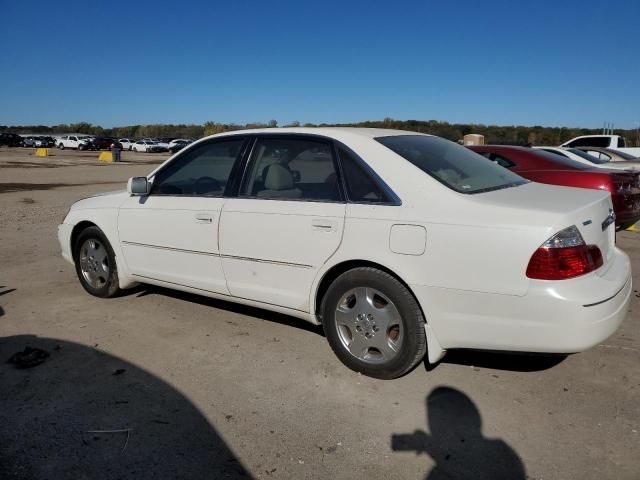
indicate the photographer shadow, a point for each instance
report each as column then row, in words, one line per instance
column 456, row 444
column 83, row 413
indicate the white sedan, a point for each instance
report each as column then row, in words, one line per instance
column 400, row 244
column 163, row 145
column 147, row 146
column 127, row 143
column 177, row 141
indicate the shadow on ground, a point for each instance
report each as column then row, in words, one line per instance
column 483, row 359
column 259, row 313
column 456, row 444
column 46, row 413
column 515, row 362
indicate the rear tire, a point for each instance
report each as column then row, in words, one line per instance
column 96, row 263
column 373, row 323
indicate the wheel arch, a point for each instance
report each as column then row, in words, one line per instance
column 124, row 276
column 434, row 349
column 77, row 230
column 338, row 269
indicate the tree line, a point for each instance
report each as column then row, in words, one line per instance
column 496, row 134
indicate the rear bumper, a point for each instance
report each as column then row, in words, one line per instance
column 564, row 316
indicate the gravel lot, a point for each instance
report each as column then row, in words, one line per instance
column 180, row 386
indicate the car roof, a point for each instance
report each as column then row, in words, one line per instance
column 501, row 147
column 333, row 132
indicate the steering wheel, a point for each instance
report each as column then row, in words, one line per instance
column 206, row 184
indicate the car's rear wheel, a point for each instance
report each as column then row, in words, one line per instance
column 96, row 263
column 373, row 323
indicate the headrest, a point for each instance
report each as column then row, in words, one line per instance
column 278, row 178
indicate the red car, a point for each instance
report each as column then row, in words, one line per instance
column 544, row 167
column 104, row 143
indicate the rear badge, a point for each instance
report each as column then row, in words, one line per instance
column 588, row 222
column 609, row 220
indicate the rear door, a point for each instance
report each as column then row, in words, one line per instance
column 286, row 222
column 171, row 235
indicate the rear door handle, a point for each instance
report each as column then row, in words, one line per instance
column 323, row 225
column 204, row 218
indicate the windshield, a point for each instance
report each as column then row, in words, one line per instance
column 451, row 164
column 586, row 156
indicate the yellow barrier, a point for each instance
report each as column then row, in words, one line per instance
column 106, row 157
column 42, row 152
column 632, row 228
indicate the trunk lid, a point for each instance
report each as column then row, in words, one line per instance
column 556, row 208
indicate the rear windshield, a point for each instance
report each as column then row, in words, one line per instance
column 624, row 155
column 564, row 161
column 453, row 165
column 586, row 156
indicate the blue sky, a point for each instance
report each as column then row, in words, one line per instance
column 555, row 63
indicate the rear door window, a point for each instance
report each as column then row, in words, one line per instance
column 292, row 169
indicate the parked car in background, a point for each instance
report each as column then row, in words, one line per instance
column 28, row 141
column 127, row 143
column 105, row 143
column 78, row 142
column 553, row 169
column 148, row 146
column 163, row 145
column 44, row 142
column 179, row 140
column 392, row 240
column 579, row 155
column 609, row 154
column 10, row 139
column 177, row 145
column 615, row 142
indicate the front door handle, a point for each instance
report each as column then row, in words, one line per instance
column 322, row 224
column 204, row 218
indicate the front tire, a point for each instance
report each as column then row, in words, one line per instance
column 373, row 323
column 96, row 263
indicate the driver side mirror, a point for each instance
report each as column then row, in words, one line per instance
column 138, row 186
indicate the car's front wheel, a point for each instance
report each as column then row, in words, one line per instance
column 373, row 323
column 96, row 263
column 61, row 146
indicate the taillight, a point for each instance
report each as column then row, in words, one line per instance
column 565, row 255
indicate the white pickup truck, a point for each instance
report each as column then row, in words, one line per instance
column 615, row 142
column 79, row 142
